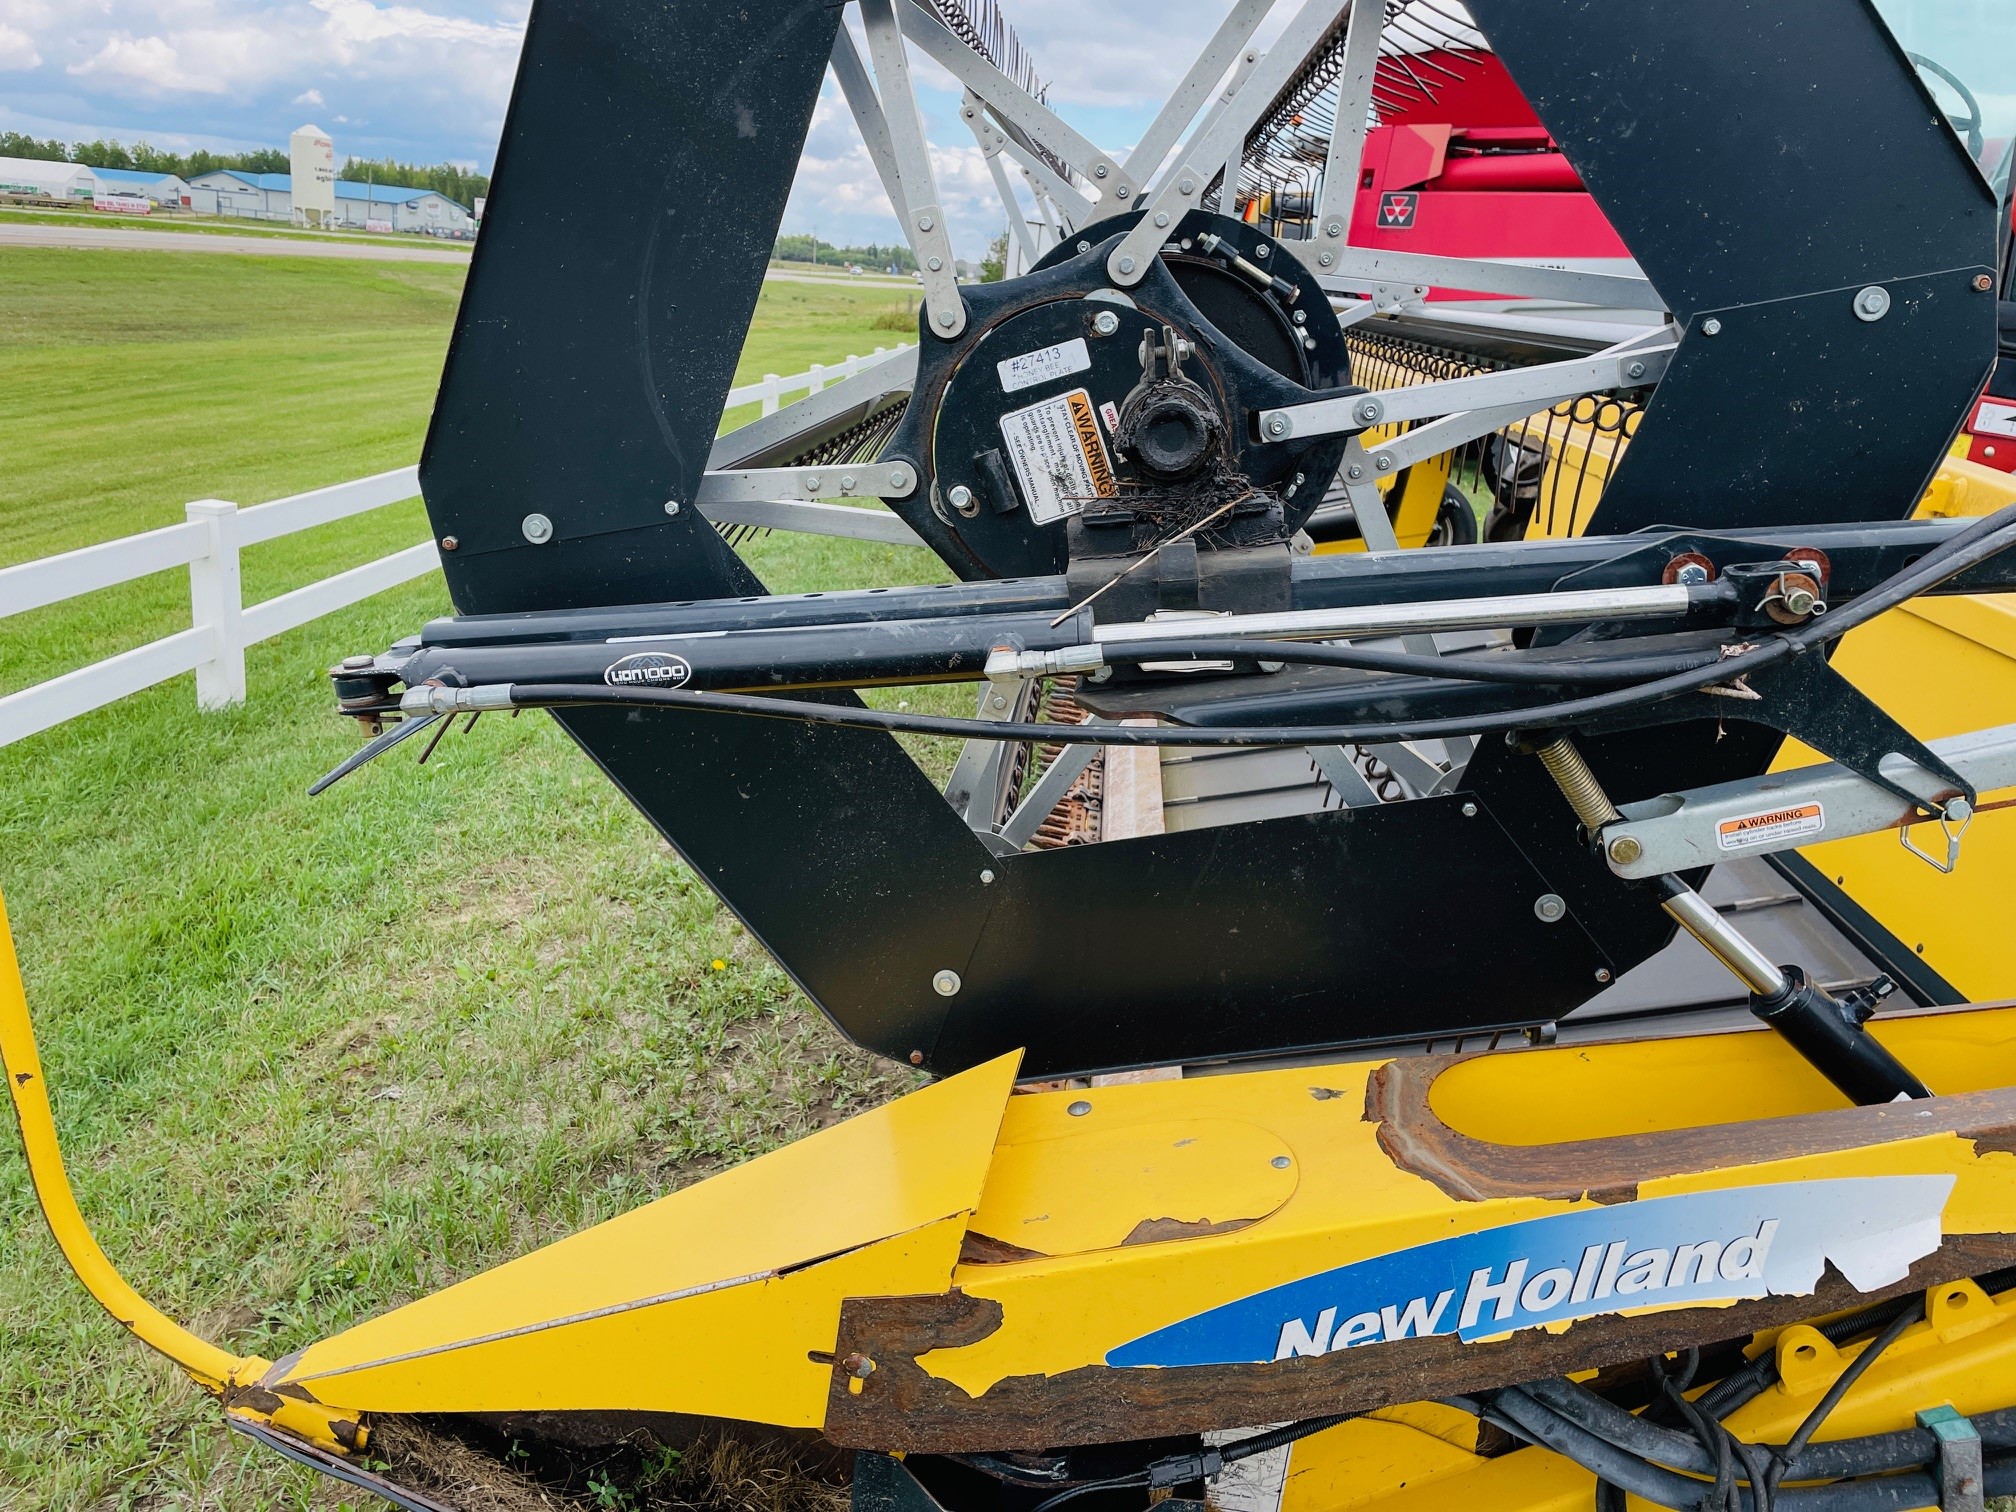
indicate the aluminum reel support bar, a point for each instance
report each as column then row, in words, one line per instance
column 924, row 220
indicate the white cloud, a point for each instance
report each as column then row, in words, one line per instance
column 355, row 24
column 152, row 62
column 310, row 97
column 17, row 49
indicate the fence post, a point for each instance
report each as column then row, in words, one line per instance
column 817, row 374
column 217, row 604
column 853, row 365
column 770, row 393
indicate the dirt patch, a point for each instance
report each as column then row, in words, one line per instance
column 474, row 1468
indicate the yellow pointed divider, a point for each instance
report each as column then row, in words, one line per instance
column 231, row 1377
column 713, row 1300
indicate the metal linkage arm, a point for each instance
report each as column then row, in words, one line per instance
column 1796, row 808
column 1184, row 101
column 1219, row 141
column 1534, row 388
column 1353, row 270
column 1339, row 190
column 878, row 480
column 1014, row 104
column 868, row 119
column 924, row 221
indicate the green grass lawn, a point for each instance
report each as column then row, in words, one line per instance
column 312, row 1058
column 222, row 225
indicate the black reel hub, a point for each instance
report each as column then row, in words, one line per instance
column 1066, row 399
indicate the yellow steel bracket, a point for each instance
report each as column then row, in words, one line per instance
column 230, row 1377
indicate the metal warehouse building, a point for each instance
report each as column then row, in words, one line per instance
column 270, row 196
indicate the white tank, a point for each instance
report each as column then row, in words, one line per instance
column 312, row 156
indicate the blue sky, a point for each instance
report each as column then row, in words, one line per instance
column 428, row 81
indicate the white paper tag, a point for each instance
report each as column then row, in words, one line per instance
column 1039, row 366
column 1059, row 458
column 1990, row 420
column 1770, row 827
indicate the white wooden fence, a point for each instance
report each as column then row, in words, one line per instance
column 209, row 542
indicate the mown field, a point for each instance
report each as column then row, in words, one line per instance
column 311, row 1058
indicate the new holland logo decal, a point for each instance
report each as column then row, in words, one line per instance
column 1707, row 1247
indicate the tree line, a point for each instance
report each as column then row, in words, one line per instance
column 805, row 249
column 456, row 183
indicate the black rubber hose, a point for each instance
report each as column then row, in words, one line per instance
column 1873, row 1455
column 1889, row 1493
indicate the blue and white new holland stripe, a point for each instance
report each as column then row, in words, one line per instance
column 1716, row 1246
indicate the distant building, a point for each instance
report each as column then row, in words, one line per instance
column 162, row 189
column 268, row 196
column 49, row 180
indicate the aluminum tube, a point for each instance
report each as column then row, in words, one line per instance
column 1582, row 607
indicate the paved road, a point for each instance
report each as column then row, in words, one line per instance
column 137, row 240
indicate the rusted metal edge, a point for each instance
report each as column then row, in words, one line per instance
column 335, row 1467
column 1610, row 1170
column 901, row 1407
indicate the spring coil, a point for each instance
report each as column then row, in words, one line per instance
column 1578, row 784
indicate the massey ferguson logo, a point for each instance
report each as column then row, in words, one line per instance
column 649, row 669
column 1396, row 210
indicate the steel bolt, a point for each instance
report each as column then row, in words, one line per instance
column 1162, row 217
column 1469, row 811
column 1126, row 265
column 1188, row 186
column 946, row 983
column 1084, row 246
column 846, row 482
column 1325, row 258
column 1625, row 849
column 538, row 529
column 916, row 1057
column 1334, row 228
column 946, row 317
column 960, row 498
column 449, row 543
column 1691, row 574
column 1122, row 192
column 1301, row 317
column 935, row 264
column 1602, row 973
column 359, row 663
column 1262, row 250
column 987, row 878
column 1711, row 327
column 671, row 506
column 1277, row 426
column 1281, row 1162
column 812, row 483
column 1099, row 171
column 1105, row 323
column 1369, row 412
column 1983, row 283
column 1354, row 472
column 1635, row 370
column 1873, row 303
column 1383, row 462
column 924, row 223
column 858, row 1366
column 1079, row 1109
column 1549, row 908
column 898, row 478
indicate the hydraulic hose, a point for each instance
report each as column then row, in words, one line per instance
column 1987, row 538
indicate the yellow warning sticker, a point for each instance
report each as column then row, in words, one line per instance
column 1058, row 455
column 1771, row 827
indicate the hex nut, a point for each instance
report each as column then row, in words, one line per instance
column 449, row 543
column 1873, row 303
column 1550, row 908
column 1711, row 327
column 946, row 983
column 1983, row 283
column 537, row 528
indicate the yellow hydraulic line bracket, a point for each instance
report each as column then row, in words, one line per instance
column 230, row 1377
